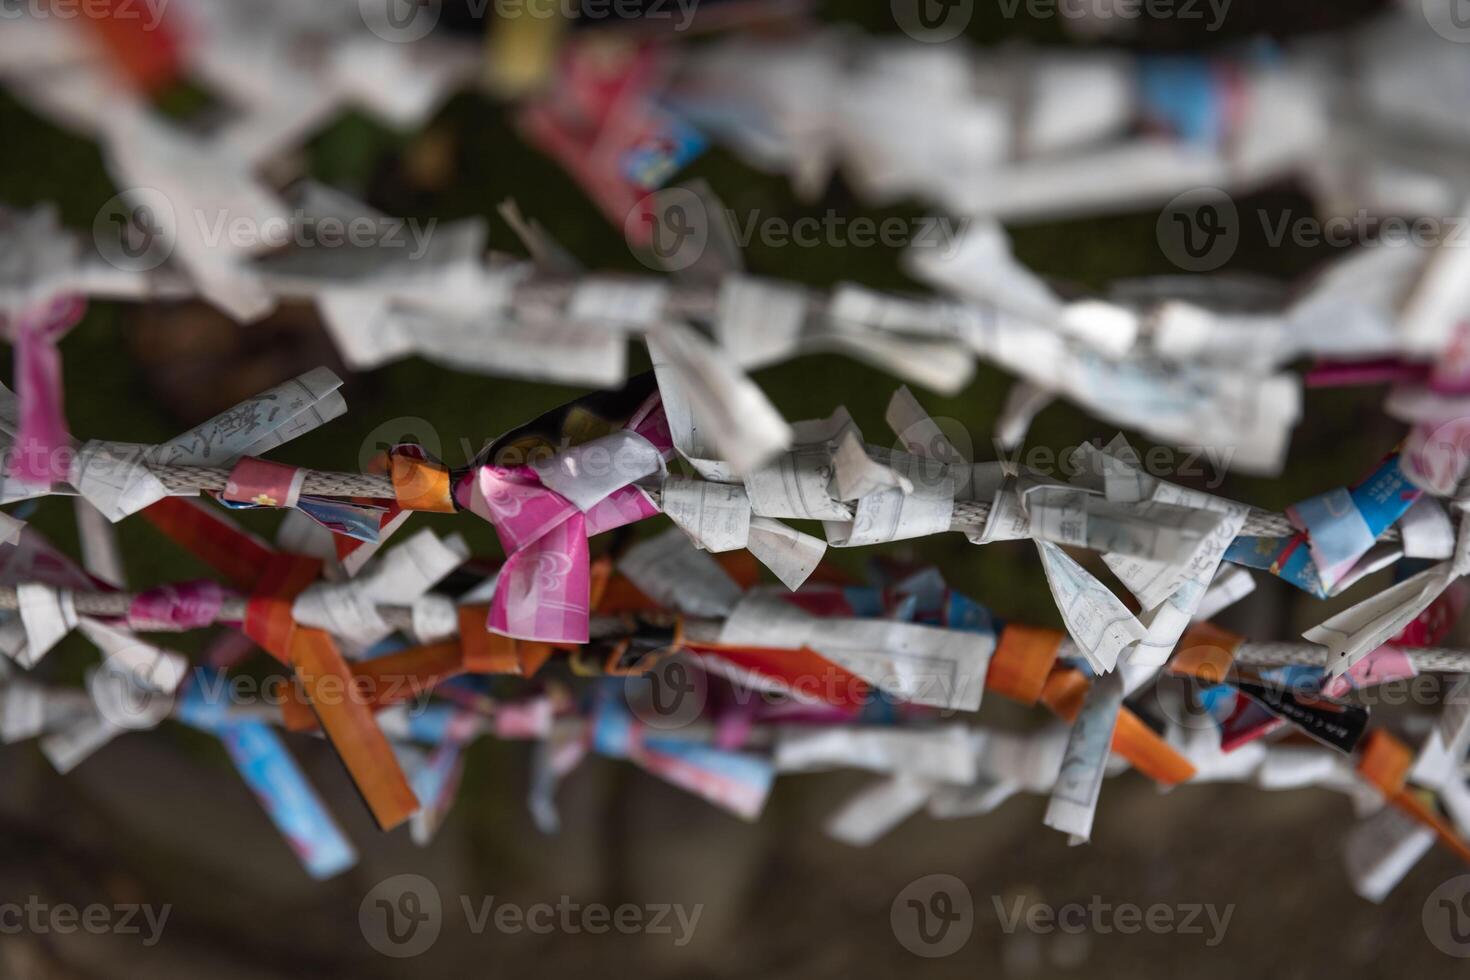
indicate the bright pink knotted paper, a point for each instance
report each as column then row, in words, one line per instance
column 40, row 443
column 182, row 606
column 544, row 588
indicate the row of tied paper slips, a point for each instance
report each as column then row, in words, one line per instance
column 386, row 653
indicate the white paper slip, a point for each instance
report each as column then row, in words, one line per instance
column 1024, row 401
column 1030, row 762
column 1079, row 782
column 670, row 570
column 1294, row 766
column 939, row 754
column 101, row 556
column 719, row 420
column 1150, row 530
column 22, row 710
column 715, row 515
column 796, row 484
column 260, row 423
column 1427, row 531
column 200, row 194
column 114, row 478
column 152, row 666
column 922, row 664
column 855, row 474
column 787, row 552
column 48, row 614
column 592, row 471
column 759, row 321
column 1098, row 622
column 72, row 745
column 531, row 347
column 892, row 515
column 1382, row 849
column 1230, row 584
column 879, row 808
column 941, row 365
column 399, row 576
column 1362, row 628
column 952, row 802
column 619, row 302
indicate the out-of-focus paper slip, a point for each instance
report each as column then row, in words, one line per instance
column 542, row 349
column 759, row 321
column 1008, row 763
column 878, row 808
column 940, row 754
column 205, row 189
column 1074, row 797
column 720, row 421
column 922, row 664
column 1382, row 850
column 670, row 570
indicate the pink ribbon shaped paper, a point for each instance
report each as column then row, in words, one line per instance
column 182, row 606
column 42, row 433
column 543, row 592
